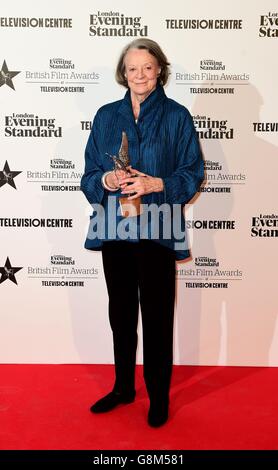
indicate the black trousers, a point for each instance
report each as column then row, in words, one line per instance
column 141, row 272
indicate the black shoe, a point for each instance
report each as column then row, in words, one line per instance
column 110, row 401
column 158, row 414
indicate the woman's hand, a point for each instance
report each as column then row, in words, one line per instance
column 113, row 178
column 140, row 184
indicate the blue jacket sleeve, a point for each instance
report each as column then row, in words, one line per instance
column 91, row 180
column 183, row 184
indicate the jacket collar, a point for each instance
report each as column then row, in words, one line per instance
column 149, row 104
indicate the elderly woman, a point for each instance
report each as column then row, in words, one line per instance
column 166, row 170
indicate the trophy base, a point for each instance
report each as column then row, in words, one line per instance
column 130, row 208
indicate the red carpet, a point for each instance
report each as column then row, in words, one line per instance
column 47, row 407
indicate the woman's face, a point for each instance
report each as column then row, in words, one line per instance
column 142, row 70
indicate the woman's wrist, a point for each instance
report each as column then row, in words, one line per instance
column 105, row 184
column 159, row 185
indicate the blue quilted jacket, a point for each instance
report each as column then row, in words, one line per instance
column 162, row 143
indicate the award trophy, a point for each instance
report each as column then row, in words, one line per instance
column 129, row 208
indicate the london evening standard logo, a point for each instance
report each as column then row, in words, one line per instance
column 264, row 225
column 31, row 125
column 33, row 22
column 63, row 271
column 60, row 176
column 59, row 63
column 6, row 76
column 211, row 80
column 8, row 272
column 62, row 77
column 62, row 259
column 206, row 261
column 62, row 163
column 211, row 64
column 208, row 274
column 268, row 27
column 209, row 128
column 114, row 23
column 211, row 165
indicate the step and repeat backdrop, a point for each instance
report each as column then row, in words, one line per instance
column 57, row 63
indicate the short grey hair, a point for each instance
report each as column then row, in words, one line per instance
column 154, row 49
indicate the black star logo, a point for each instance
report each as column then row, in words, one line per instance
column 7, row 176
column 6, row 76
column 7, row 272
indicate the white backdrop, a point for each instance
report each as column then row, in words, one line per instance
column 54, row 308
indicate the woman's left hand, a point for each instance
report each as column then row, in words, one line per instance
column 140, row 183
